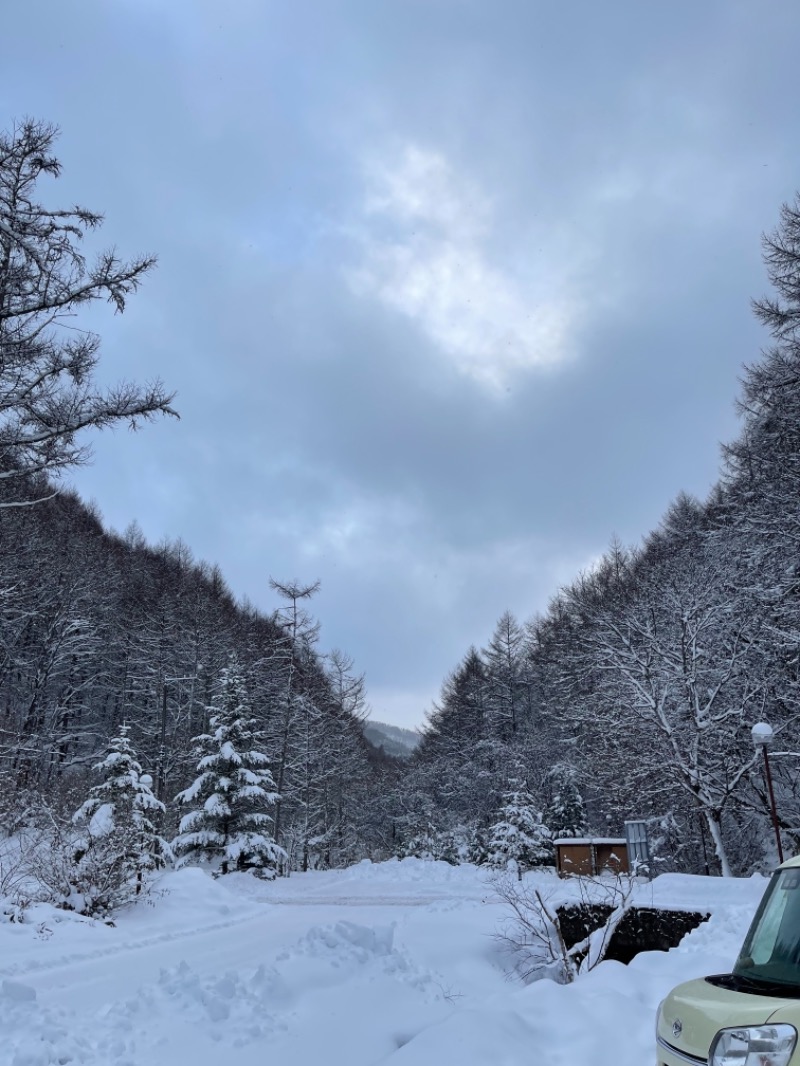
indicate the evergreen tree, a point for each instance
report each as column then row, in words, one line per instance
column 119, row 819
column 565, row 814
column 230, row 821
column 477, row 847
column 519, row 835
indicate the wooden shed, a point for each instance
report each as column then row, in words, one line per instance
column 591, row 855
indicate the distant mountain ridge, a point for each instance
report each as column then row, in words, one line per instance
column 393, row 739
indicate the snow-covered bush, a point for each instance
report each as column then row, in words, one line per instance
column 20, row 808
column 421, row 845
column 13, row 873
column 230, row 820
column 97, row 861
column 532, row 934
column 445, row 845
column 456, row 844
column 60, row 871
column 519, row 838
column 94, row 882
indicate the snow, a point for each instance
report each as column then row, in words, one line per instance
column 389, row 963
column 589, row 840
column 101, row 823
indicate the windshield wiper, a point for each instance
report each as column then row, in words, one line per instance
column 737, row 982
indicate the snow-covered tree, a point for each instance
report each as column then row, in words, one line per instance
column 477, row 851
column 674, row 664
column 230, row 820
column 422, row 845
column 118, row 840
column 565, row 814
column 519, row 835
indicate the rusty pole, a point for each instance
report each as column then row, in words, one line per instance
column 773, row 808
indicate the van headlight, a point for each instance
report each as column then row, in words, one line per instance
column 762, row 1045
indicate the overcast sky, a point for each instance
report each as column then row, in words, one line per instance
column 451, row 292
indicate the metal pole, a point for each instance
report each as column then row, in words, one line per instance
column 773, row 808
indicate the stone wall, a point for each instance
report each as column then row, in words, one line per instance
column 641, row 929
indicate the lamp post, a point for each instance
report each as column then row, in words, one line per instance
column 763, row 735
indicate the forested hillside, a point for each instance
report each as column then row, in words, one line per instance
column 393, row 739
column 640, row 683
column 98, row 630
column 137, row 695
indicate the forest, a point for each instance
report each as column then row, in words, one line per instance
column 642, row 680
column 133, row 684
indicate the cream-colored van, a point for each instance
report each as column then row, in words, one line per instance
column 750, row 1017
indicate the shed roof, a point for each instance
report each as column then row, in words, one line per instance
column 585, row 841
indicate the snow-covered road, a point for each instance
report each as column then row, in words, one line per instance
column 389, row 963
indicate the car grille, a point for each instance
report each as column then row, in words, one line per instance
column 684, row 1056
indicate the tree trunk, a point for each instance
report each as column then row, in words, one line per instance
column 715, row 829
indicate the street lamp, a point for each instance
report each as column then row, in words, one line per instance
column 763, row 735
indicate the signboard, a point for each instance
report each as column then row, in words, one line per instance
column 638, row 847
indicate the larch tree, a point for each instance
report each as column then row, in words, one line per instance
column 343, row 768
column 506, row 690
column 296, row 710
column 48, row 392
column 458, row 762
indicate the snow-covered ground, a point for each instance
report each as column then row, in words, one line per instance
column 391, row 963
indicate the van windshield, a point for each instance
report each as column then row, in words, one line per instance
column 771, row 951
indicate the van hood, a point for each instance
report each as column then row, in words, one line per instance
column 694, row 1012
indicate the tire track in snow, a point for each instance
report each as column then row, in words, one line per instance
column 43, row 966
column 361, row 901
column 124, row 948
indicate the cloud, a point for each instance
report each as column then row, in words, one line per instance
column 426, row 237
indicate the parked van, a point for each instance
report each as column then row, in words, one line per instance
column 750, row 1017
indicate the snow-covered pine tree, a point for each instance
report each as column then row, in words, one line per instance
column 519, row 835
column 565, row 814
column 120, row 839
column 230, row 823
column 478, row 846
